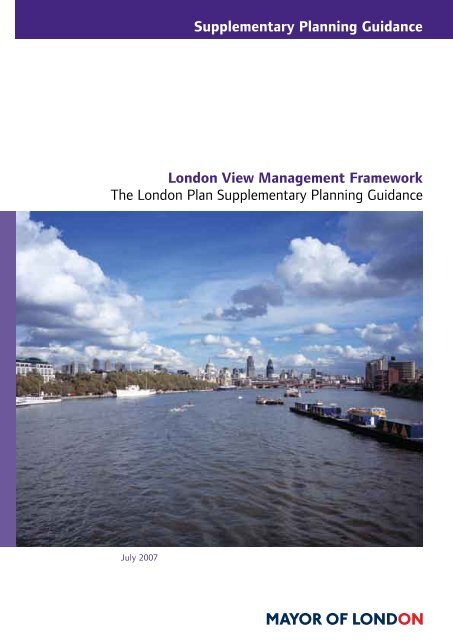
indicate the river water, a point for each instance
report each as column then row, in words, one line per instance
column 225, row 472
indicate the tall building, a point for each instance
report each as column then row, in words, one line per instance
column 269, row 369
column 26, row 366
column 250, row 367
column 384, row 379
column 73, row 368
column 96, row 364
column 108, row 365
column 120, row 366
column 373, row 367
column 406, row 369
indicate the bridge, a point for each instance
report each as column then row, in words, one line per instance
column 273, row 384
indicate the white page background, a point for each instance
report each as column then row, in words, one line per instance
column 80, row 117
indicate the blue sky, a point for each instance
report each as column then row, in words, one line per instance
column 322, row 289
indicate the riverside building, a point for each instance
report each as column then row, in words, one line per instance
column 381, row 374
column 372, row 369
column 36, row 366
column 405, row 369
column 210, row 372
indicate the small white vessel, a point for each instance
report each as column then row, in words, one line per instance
column 28, row 401
column 292, row 392
column 177, row 410
column 134, row 391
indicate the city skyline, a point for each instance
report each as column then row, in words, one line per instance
column 313, row 289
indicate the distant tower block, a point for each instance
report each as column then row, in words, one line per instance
column 250, row 367
column 269, row 369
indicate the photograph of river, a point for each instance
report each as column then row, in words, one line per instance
column 225, row 472
column 158, row 355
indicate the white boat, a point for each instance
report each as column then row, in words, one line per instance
column 134, row 391
column 292, row 392
column 27, row 401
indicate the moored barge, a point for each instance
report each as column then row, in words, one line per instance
column 373, row 423
column 263, row 400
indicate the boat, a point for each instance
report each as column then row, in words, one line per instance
column 366, row 417
column 405, row 434
column 187, row 405
column 264, row 400
column 292, row 392
column 226, row 387
column 134, row 391
column 28, row 401
column 177, row 410
column 21, row 402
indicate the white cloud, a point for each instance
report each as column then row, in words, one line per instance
column 240, row 354
column 379, row 335
column 211, row 339
column 325, row 270
column 63, row 294
column 282, row 339
column 346, row 352
column 318, row 328
column 69, row 309
column 234, row 354
column 163, row 355
column 147, row 355
column 390, row 338
column 254, row 342
column 295, row 360
column 379, row 339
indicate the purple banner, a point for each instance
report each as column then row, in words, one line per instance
column 314, row 19
column 8, row 381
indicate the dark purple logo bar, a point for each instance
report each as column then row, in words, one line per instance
column 314, row 19
column 8, row 380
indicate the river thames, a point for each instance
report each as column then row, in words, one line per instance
column 224, row 472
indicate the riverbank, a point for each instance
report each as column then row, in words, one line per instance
column 104, row 384
column 104, row 396
column 408, row 396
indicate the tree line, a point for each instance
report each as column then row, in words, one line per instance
column 83, row 384
column 412, row 390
